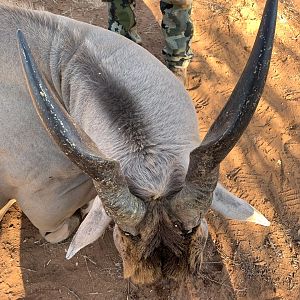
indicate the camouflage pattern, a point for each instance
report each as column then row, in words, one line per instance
column 178, row 31
column 121, row 19
column 176, row 25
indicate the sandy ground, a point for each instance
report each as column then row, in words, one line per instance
column 242, row 261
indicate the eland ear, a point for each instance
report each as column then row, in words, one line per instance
column 6, row 207
column 232, row 207
column 92, row 227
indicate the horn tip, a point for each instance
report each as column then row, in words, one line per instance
column 258, row 218
column 20, row 35
column 70, row 253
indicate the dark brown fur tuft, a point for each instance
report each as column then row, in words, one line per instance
column 163, row 249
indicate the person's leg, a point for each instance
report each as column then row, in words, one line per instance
column 177, row 28
column 121, row 19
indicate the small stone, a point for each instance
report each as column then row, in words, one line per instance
column 260, row 263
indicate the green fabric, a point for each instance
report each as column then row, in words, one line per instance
column 178, row 31
column 121, row 16
column 176, row 25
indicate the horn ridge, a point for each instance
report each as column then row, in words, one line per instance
column 239, row 109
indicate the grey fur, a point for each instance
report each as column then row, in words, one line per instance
column 108, row 94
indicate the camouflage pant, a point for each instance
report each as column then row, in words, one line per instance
column 121, row 17
column 176, row 25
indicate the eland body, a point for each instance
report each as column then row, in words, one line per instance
column 86, row 112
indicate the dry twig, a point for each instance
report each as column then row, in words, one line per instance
column 72, row 292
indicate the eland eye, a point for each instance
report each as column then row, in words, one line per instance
column 132, row 237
